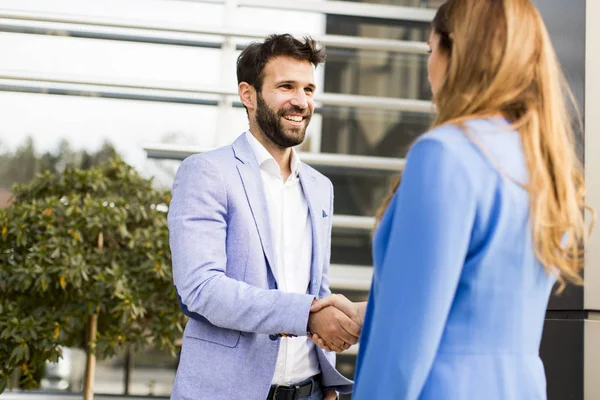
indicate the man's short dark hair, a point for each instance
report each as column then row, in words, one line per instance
column 251, row 62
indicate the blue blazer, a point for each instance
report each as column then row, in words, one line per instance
column 223, row 264
column 458, row 297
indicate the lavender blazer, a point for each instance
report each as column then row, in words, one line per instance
column 223, row 263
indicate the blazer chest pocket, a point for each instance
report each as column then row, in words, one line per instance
column 204, row 330
column 325, row 222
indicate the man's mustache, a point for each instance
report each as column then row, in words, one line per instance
column 297, row 110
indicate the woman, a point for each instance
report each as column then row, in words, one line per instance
column 487, row 217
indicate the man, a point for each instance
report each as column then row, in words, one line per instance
column 250, row 234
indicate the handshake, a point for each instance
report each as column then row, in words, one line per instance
column 334, row 323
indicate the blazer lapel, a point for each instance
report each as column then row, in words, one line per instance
column 253, row 186
column 311, row 193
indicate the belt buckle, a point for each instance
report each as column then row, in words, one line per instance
column 295, row 387
column 276, row 390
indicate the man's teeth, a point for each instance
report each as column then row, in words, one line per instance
column 295, row 118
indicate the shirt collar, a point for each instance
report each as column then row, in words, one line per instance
column 263, row 156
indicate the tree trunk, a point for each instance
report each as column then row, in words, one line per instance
column 92, row 329
column 90, row 371
column 128, row 365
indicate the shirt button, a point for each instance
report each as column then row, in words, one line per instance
column 273, row 337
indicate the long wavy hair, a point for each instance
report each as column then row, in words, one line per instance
column 501, row 62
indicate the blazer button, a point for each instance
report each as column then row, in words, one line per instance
column 273, row 337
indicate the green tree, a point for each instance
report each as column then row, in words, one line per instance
column 84, row 254
column 104, row 153
column 23, row 164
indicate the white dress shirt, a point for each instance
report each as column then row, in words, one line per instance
column 292, row 243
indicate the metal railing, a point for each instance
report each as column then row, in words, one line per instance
column 353, row 222
column 113, row 88
column 146, row 31
column 330, row 160
column 347, row 8
column 350, row 277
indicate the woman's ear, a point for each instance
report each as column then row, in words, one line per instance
column 247, row 95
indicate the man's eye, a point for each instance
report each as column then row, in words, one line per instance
column 286, row 86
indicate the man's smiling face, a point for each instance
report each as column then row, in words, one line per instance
column 285, row 103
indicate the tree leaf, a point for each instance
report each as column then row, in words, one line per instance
column 17, row 353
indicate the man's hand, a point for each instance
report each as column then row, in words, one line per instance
column 355, row 311
column 330, row 395
column 334, row 327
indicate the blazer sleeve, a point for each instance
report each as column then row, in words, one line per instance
column 198, row 234
column 414, row 287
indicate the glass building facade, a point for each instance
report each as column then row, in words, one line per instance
column 156, row 80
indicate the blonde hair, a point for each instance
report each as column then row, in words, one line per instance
column 501, row 61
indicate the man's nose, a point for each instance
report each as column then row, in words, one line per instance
column 300, row 99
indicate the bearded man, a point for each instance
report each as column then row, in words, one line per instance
column 250, row 235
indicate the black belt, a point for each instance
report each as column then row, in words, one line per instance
column 295, row 392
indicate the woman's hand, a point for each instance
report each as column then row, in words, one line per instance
column 356, row 312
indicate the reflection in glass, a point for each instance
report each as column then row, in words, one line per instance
column 351, row 247
column 405, row 3
column 377, row 73
column 371, row 132
column 359, row 193
column 377, row 28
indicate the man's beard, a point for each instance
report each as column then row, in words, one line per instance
column 269, row 122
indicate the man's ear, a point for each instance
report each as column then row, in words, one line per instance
column 247, row 95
